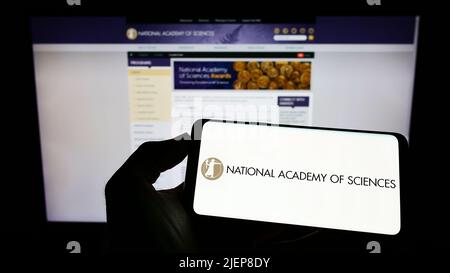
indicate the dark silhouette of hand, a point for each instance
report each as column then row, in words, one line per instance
column 142, row 219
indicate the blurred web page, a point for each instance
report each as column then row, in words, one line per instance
column 105, row 85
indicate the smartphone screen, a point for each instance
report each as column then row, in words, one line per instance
column 339, row 179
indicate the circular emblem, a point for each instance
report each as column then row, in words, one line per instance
column 132, row 33
column 212, row 168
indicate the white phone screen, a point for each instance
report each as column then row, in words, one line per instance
column 311, row 177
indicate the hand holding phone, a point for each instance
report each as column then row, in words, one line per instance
column 317, row 177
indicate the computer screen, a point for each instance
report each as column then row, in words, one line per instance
column 104, row 85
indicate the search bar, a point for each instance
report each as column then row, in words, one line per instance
column 290, row 37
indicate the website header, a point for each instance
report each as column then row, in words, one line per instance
column 322, row 30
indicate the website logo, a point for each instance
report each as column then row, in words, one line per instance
column 212, row 168
column 131, row 33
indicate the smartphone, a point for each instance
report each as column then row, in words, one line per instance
column 307, row 176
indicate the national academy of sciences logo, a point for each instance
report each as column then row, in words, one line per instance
column 131, row 33
column 212, row 168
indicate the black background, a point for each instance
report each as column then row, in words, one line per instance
column 23, row 196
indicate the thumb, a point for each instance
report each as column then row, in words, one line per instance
column 153, row 158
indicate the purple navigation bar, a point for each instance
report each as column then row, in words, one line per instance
column 325, row 30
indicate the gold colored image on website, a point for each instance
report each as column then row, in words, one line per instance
column 273, row 75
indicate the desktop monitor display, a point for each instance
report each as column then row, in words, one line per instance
column 105, row 85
